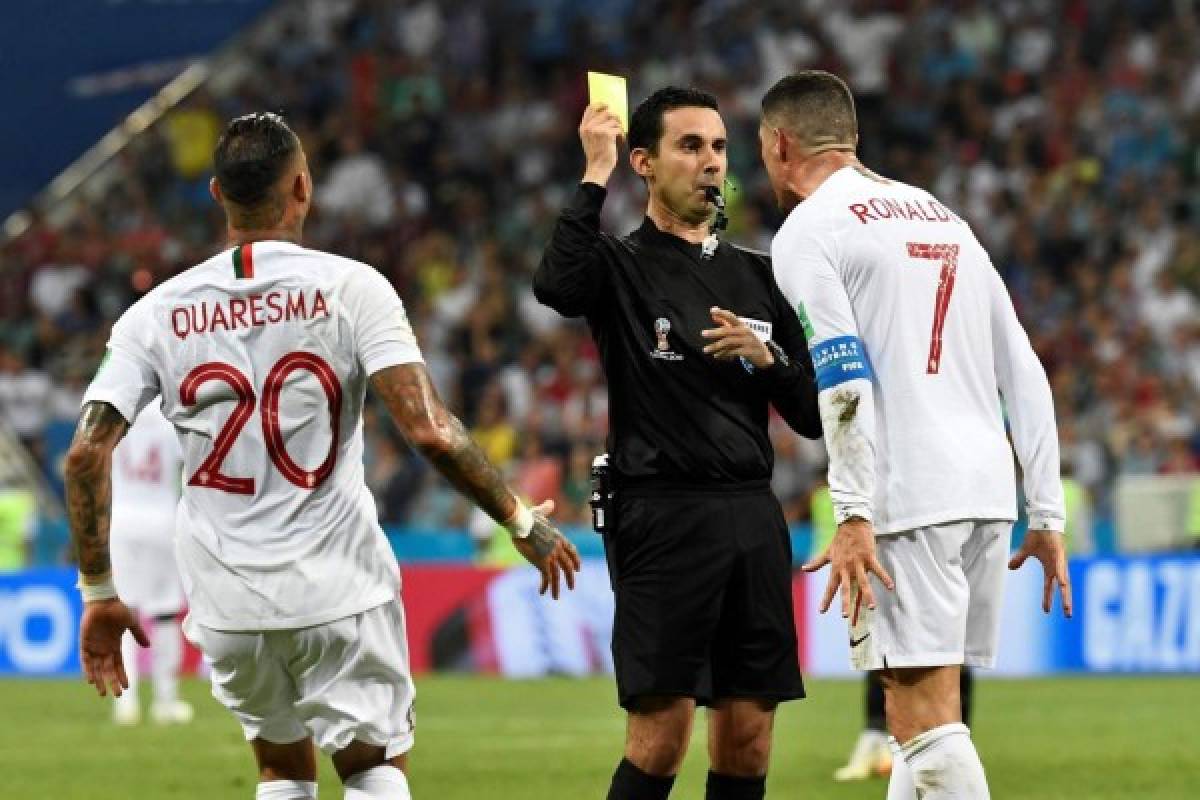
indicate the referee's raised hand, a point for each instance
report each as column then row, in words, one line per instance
column 599, row 131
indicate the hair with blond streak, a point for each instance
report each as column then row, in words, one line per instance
column 816, row 108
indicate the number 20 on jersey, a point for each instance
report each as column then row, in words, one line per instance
column 209, row 474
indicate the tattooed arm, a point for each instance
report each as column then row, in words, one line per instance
column 89, row 500
column 89, row 486
column 441, row 437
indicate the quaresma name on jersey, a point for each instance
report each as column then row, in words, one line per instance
column 887, row 263
column 145, row 479
column 262, row 356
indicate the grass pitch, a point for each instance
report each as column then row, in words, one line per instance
column 486, row 739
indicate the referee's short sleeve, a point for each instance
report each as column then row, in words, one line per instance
column 383, row 336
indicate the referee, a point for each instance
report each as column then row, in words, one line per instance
column 696, row 342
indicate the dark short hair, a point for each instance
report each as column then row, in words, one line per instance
column 251, row 155
column 815, row 106
column 646, row 125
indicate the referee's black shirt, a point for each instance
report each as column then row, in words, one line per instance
column 677, row 416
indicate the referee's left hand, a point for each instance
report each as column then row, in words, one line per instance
column 851, row 556
column 733, row 338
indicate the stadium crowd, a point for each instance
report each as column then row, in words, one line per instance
column 442, row 138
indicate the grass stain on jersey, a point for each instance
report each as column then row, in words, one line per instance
column 847, row 401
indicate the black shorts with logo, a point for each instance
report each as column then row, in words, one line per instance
column 703, row 595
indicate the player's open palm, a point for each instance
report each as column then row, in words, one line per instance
column 851, row 555
column 100, row 631
column 552, row 553
column 1047, row 547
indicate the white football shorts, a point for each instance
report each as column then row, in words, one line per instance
column 343, row 680
column 145, row 573
column 946, row 605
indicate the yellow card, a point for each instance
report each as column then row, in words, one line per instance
column 610, row 90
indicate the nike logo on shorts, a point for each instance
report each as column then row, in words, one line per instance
column 856, row 642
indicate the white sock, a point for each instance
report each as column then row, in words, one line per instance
column 875, row 737
column 945, row 766
column 384, row 782
column 900, row 784
column 286, row 790
column 166, row 654
column 129, row 656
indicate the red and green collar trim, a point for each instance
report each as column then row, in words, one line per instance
column 243, row 261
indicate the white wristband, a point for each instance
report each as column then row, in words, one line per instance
column 521, row 522
column 102, row 589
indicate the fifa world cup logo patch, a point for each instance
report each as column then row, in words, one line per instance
column 662, row 326
column 662, row 349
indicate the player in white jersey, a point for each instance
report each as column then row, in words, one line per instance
column 145, row 493
column 915, row 342
column 262, row 355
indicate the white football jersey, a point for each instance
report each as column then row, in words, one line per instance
column 262, row 355
column 146, row 468
column 881, row 266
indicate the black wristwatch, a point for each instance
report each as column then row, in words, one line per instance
column 781, row 358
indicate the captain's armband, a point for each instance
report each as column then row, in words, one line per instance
column 841, row 359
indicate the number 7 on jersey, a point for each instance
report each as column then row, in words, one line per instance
column 948, row 255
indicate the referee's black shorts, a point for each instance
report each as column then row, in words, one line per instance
column 703, row 584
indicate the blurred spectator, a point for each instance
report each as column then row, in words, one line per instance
column 494, row 430
column 1193, row 514
column 1078, row 504
column 1179, row 459
column 191, row 131
column 794, row 473
column 538, row 474
column 1144, row 455
column 357, row 186
column 24, row 396
column 18, row 519
column 55, row 282
column 576, row 486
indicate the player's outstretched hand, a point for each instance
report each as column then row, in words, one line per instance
column 1047, row 547
column 552, row 553
column 733, row 338
column 100, row 631
column 851, row 555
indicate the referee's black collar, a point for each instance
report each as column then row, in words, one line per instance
column 650, row 233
